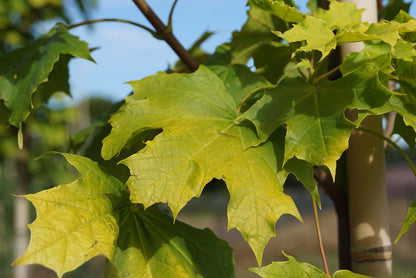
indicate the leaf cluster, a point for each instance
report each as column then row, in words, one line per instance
column 178, row 131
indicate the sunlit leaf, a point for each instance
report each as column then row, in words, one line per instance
column 75, row 222
column 289, row 269
column 280, row 9
column 315, row 32
column 340, row 14
column 201, row 140
column 343, row 273
column 93, row 216
column 317, row 130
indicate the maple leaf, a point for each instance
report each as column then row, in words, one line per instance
column 289, row 268
column 255, row 40
column 317, row 130
column 93, row 216
column 340, row 15
column 315, row 32
column 75, row 222
column 24, row 69
column 279, row 8
column 201, row 140
column 150, row 245
column 293, row 268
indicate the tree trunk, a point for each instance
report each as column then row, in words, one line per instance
column 367, row 193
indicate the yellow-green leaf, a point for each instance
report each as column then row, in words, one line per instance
column 340, row 14
column 75, row 222
column 315, row 32
column 201, row 140
column 317, row 130
column 279, row 8
column 93, row 216
column 289, row 269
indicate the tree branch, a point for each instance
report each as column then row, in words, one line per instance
column 166, row 34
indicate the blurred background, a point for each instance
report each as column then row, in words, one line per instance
column 127, row 53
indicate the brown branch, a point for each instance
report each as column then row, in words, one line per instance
column 166, row 34
column 319, row 78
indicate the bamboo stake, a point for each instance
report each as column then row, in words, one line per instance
column 367, row 193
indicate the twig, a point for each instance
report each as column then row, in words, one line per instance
column 166, row 34
column 391, row 118
column 318, row 232
column 339, row 199
column 327, row 74
column 112, row 20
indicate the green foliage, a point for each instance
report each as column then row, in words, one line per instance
column 289, row 268
column 202, row 139
column 178, row 131
column 93, row 216
column 24, row 69
column 293, row 268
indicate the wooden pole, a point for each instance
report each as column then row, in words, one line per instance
column 367, row 193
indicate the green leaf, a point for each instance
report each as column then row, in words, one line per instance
column 254, row 34
column 280, row 9
column 343, row 273
column 201, row 140
column 408, row 221
column 150, row 245
column 271, row 60
column 317, row 130
column 24, row 69
column 289, row 269
column 340, row 15
column 407, row 133
column 256, row 41
column 387, row 31
column 57, row 82
column 374, row 55
column 93, row 216
column 303, row 171
column 239, row 80
column 75, row 222
column 315, row 32
column 404, row 50
column 393, row 8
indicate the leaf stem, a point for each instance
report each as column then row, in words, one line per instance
column 402, row 152
column 166, row 34
column 318, row 233
column 246, row 97
column 88, row 22
column 312, row 63
column 319, row 78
